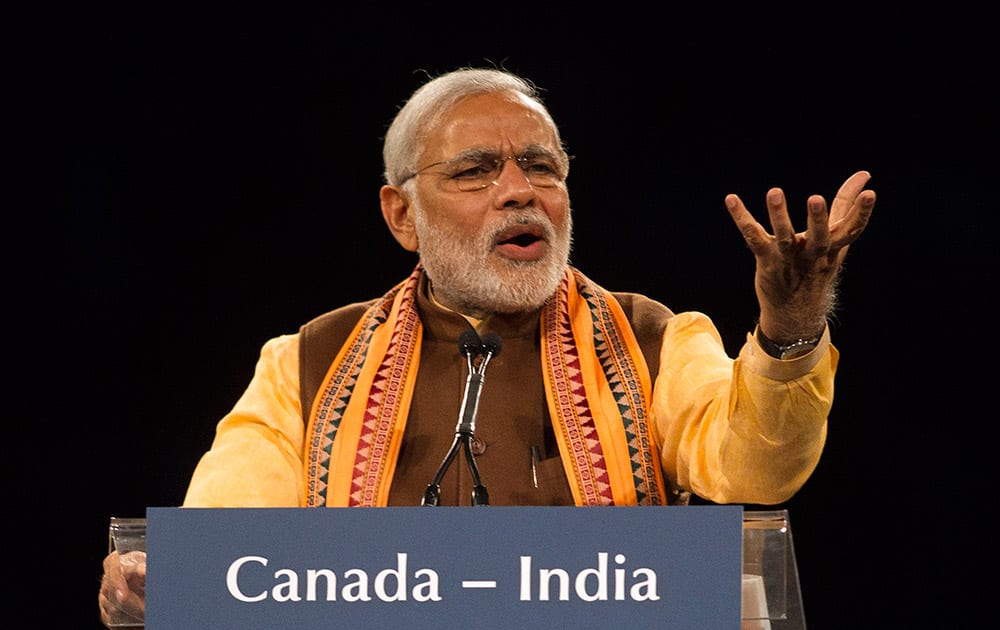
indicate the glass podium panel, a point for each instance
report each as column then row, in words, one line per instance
column 772, row 599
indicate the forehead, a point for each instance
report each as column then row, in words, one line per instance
column 507, row 121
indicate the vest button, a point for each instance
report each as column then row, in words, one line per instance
column 478, row 446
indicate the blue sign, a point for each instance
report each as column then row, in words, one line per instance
column 444, row 567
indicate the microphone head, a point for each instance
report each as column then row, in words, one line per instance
column 469, row 343
column 492, row 343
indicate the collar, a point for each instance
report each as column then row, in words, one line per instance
column 443, row 323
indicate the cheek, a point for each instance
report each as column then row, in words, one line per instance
column 463, row 220
column 558, row 209
column 468, row 226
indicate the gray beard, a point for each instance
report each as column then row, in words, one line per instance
column 465, row 276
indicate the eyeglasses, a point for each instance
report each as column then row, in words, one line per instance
column 478, row 170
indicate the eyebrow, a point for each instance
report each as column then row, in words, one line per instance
column 478, row 154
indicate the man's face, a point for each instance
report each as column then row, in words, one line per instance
column 503, row 248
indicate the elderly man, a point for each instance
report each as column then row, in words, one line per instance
column 596, row 398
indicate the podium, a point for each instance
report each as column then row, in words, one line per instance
column 771, row 595
column 491, row 567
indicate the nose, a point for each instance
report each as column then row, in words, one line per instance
column 512, row 185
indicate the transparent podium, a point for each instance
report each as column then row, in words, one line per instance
column 770, row 597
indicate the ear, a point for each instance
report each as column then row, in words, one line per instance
column 398, row 215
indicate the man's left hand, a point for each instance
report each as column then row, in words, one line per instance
column 797, row 271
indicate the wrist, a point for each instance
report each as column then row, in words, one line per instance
column 791, row 349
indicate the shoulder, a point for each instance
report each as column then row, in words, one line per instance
column 320, row 339
column 648, row 318
column 646, row 314
column 338, row 322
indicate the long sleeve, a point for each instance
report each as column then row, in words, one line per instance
column 256, row 456
column 744, row 430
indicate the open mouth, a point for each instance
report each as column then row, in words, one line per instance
column 522, row 242
column 521, row 235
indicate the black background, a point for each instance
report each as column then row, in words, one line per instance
column 185, row 183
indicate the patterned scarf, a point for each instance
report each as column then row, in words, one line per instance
column 596, row 382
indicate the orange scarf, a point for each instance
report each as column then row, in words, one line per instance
column 596, row 382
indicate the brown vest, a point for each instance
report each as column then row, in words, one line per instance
column 512, row 416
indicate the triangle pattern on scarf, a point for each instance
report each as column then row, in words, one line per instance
column 580, row 308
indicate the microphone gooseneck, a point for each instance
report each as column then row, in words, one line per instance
column 471, row 347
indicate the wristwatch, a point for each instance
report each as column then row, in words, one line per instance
column 791, row 350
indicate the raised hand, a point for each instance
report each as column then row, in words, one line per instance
column 797, row 271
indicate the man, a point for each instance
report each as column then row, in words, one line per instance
column 596, row 398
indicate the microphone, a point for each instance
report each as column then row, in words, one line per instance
column 470, row 346
column 488, row 348
column 491, row 345
column 469, row 343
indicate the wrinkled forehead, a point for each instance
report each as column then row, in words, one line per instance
column 506, row 122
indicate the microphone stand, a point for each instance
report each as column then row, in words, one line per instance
column 469, row 345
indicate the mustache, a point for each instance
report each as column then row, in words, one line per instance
column 524, row 216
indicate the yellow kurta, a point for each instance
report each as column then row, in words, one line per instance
column 744, row 430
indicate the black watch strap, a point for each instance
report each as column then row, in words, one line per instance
column 791, row 350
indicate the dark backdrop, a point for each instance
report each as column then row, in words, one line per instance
column 187, row 183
